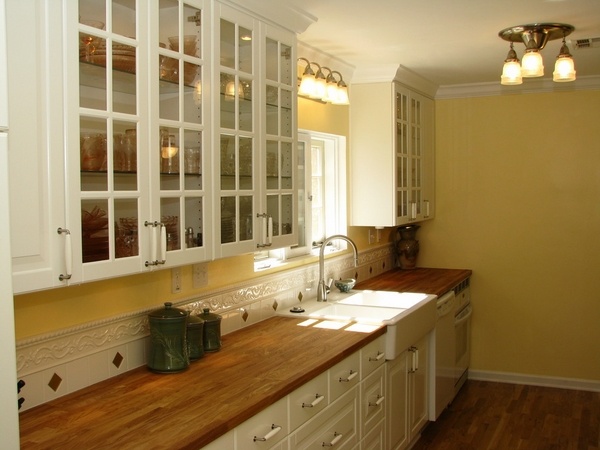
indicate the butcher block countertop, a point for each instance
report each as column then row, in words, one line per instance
column 255, row 367
column 425, row 280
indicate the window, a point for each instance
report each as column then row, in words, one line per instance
column 321, row 197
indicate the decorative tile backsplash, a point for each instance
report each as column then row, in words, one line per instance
column 55, row 364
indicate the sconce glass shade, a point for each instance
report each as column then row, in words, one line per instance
column 564, row 68
column 342, row 95
column 307, row 85
column 532, row 64
column 320, row 89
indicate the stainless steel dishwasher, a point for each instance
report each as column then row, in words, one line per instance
column 443, row 369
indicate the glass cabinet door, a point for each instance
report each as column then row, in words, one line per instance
column 178, row 153
column 109, row 57
column 416, row 158
column 280, row 125
column 402, row 157
column 237, row 111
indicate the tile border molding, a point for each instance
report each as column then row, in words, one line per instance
column 52, row 349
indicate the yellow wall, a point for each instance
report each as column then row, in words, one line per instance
column 518, row 201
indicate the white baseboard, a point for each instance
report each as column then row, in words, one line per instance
column 535, row 380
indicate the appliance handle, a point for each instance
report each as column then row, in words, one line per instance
column 463, row 316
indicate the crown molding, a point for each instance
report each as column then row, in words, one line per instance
column 278, row 13
column 531, row 86
column 386, row 73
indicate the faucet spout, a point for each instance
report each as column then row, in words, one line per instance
column 322, row 287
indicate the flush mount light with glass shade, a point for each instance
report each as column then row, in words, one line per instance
column 317, row 86
column 535, row 36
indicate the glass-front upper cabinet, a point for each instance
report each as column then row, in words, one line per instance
column 279, row 168
column 138, row 122
column 237, row 185
column 110, row 120
column 178, row 152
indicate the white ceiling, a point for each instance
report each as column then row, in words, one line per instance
column 448, row 43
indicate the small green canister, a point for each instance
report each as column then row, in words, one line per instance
column 195, row 337
column 212, row 330
column 168, row 340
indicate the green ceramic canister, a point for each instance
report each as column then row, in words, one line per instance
column 168, row 340
column 212, row 330
column 195, row 337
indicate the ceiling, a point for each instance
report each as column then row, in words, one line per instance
column 447, row 45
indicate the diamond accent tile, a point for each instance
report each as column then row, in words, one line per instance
column 245, row 315
column 275, row 305
column 300, row 296
column 55, row 382
column 118, row 360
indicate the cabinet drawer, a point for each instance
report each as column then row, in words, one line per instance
column 225, row 441
column 265, row 429
column 308, row 400
column 372, row 400
column 375, row 438
column 372, row 356
column 344, row 376
column 336, row 426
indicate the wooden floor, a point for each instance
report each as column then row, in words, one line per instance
column 502, row 416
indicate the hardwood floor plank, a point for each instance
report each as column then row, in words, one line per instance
column 503, row 416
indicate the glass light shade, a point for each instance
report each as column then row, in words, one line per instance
column 307, row 85
column 532, row 64
column 332, row 92
column 511, row 73
column 320, row 90
column 342, row 97
column 564, row 69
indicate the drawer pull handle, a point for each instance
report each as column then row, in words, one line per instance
column 318, row 399
column 379, row 401
column 350, row 377
column 379, row 356
column 336, row 438
column 274, row 430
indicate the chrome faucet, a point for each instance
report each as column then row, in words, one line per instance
column 322, row 287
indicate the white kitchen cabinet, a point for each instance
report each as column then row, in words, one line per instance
column 407, row 391
column 392, row 155
column 372, row 400
column 344, row 376
column 372, row 356
column 308, row 400
column 40, row 254
column 336, row 426
column 265, row 430
column 256, row 130
column 119, row 153
column 137, row 120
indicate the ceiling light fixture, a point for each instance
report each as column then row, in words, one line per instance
column 535, row 36
column 326, row 89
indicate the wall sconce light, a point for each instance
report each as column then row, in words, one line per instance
column 318, row 87
column 535, row 36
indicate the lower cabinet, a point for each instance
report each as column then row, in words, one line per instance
column 336, row 426
column 343, row 407
column 407, row 392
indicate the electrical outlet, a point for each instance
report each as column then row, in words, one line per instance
column 372, row 236
column 176, row 280
column 200, row 275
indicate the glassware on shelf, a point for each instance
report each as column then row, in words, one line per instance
column 126, row 237
column 191, row 161
column 92, row 152
column 169, row 153
column 89, row 42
